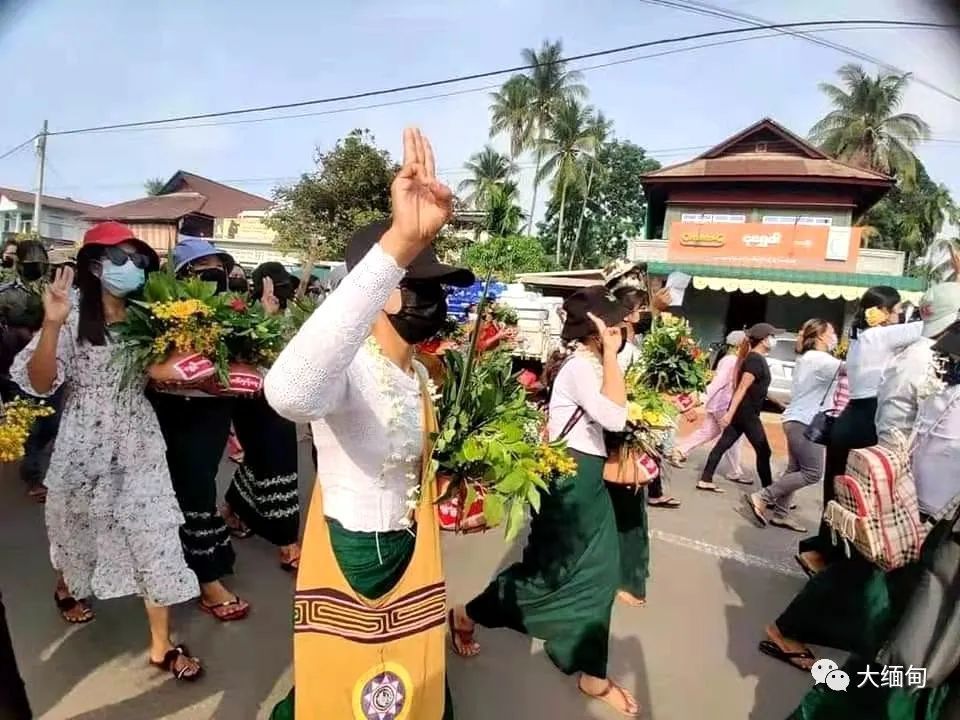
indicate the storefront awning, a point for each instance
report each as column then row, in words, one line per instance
column 796, row 283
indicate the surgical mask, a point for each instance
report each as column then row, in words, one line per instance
column 33, row 271
column 121, row 280
column 423, row 312
column 771, row 342
column 214, row 275
column 832, row 343
column 238, row 284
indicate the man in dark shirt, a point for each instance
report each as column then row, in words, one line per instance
column 743, row 417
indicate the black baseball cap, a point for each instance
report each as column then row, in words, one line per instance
column 425, row 266
column 594, row 300
column 761, row 331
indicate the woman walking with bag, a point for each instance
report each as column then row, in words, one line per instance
column 370, row 604
column 814, row 377
column 563, row 589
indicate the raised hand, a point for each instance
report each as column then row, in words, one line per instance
column 421, row 204
column 610, row 338
column 271, row 305
column 56, row 297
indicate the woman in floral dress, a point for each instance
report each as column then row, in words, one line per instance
column 112, row 517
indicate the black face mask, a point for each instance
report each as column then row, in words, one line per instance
column 32, row 271
column 8, row 261
column 214, row 275
column 623, row 340
column 423, row 312
column 238, row 284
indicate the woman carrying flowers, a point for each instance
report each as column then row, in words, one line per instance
column 195, row 427
column 112, row 516
column 350, row 372
column 563, row 589
column 263, row 497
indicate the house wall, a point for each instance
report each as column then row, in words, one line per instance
column 838, row 217
column 59, row 226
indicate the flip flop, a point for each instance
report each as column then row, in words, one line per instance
column 741, row 481
column 709, row 487
column 228, row 611
column 669, row 502
column 787, row 524
column 459, row 639
column 68, row 603
column 611, row 686
column 168, row 664
column 805, row 566
column 770, row 648
column 752, row 511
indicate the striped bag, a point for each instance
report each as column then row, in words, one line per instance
column 876, row 507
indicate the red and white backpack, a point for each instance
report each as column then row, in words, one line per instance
column 876, row 506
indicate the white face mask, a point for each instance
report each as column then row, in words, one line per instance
column 832, row 343
column 771, row 342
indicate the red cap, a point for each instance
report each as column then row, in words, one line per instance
column 108, row 233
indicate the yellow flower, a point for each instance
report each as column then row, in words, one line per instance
column 180, row 309
column 875, row 316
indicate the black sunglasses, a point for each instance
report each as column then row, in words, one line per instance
column 118, row 256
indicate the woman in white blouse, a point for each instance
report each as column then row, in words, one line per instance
column 563, row 589
column 350, row 372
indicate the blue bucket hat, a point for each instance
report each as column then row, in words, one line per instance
column 190, row 249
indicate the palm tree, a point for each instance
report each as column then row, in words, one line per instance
column 571, row 139
column 488, row 169
column 864, row 127
column 504, row 216
column 510, row 111
column 552, row 85
column 600, row 128
column 154, row 186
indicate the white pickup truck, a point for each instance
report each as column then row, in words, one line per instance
column 538, row 321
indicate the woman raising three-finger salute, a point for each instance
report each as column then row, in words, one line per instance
column 563, row 589
column 369, row 607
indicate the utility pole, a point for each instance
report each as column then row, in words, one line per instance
column 41, row 161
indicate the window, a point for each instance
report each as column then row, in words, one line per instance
column 794, row 220
column 709, row 218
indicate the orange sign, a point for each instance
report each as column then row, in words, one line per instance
column 787, row 247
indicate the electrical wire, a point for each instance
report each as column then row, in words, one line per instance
column 19, row 147
column 503, row 71
column 436, row 96
column 706, row 9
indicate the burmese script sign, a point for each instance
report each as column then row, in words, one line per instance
column 786, row 247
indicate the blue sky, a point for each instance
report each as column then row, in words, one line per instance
column 142, row 60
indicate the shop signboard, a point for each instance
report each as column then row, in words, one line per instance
column 785, row 247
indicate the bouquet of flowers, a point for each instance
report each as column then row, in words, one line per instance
column 671, row 360
column 182, row 333
column 16, row 419
column 489, row 449
column 651, row 415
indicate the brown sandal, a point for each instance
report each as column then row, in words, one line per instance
column 611, row 686
column 235, row 609
column 38, row 494
column 189, row 667
column 68, row 603
column 461, row 639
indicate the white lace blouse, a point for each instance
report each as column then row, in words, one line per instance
column 365, row 411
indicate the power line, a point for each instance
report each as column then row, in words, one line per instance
column 703, row 8
column 503, row 71
column 436, row 96
column 22, row 145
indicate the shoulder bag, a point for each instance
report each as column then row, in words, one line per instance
column 819, row 429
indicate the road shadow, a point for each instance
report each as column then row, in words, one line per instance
column 779, row 687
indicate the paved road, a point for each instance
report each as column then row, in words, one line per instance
column 690, row 654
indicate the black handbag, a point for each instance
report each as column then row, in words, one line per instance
column 928, row 634
column 819, row 429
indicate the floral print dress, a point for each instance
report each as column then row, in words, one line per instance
column 112, row 516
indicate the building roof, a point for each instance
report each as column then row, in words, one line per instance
column 48, row 201
column 223, row 201
column 155, row 207
column 766, row 151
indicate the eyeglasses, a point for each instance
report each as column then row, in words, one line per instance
column 119, row 256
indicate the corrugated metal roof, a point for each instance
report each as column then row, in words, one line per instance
column 155, row 207
column 48, row 201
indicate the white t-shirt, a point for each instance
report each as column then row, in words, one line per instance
column 870, row 353
column 936, row 454
column 578, row 385
column 899, row 393
column 813, row 374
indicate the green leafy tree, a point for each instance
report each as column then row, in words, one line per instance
column 488, row 169
column 507, row 257
column 510, row 113
column 615, row 209
column 910, row 216
column 504, row 215
column 865, row 127
column 349, row 188
column 154, row 186
column 600, row 128
column 569, row 143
